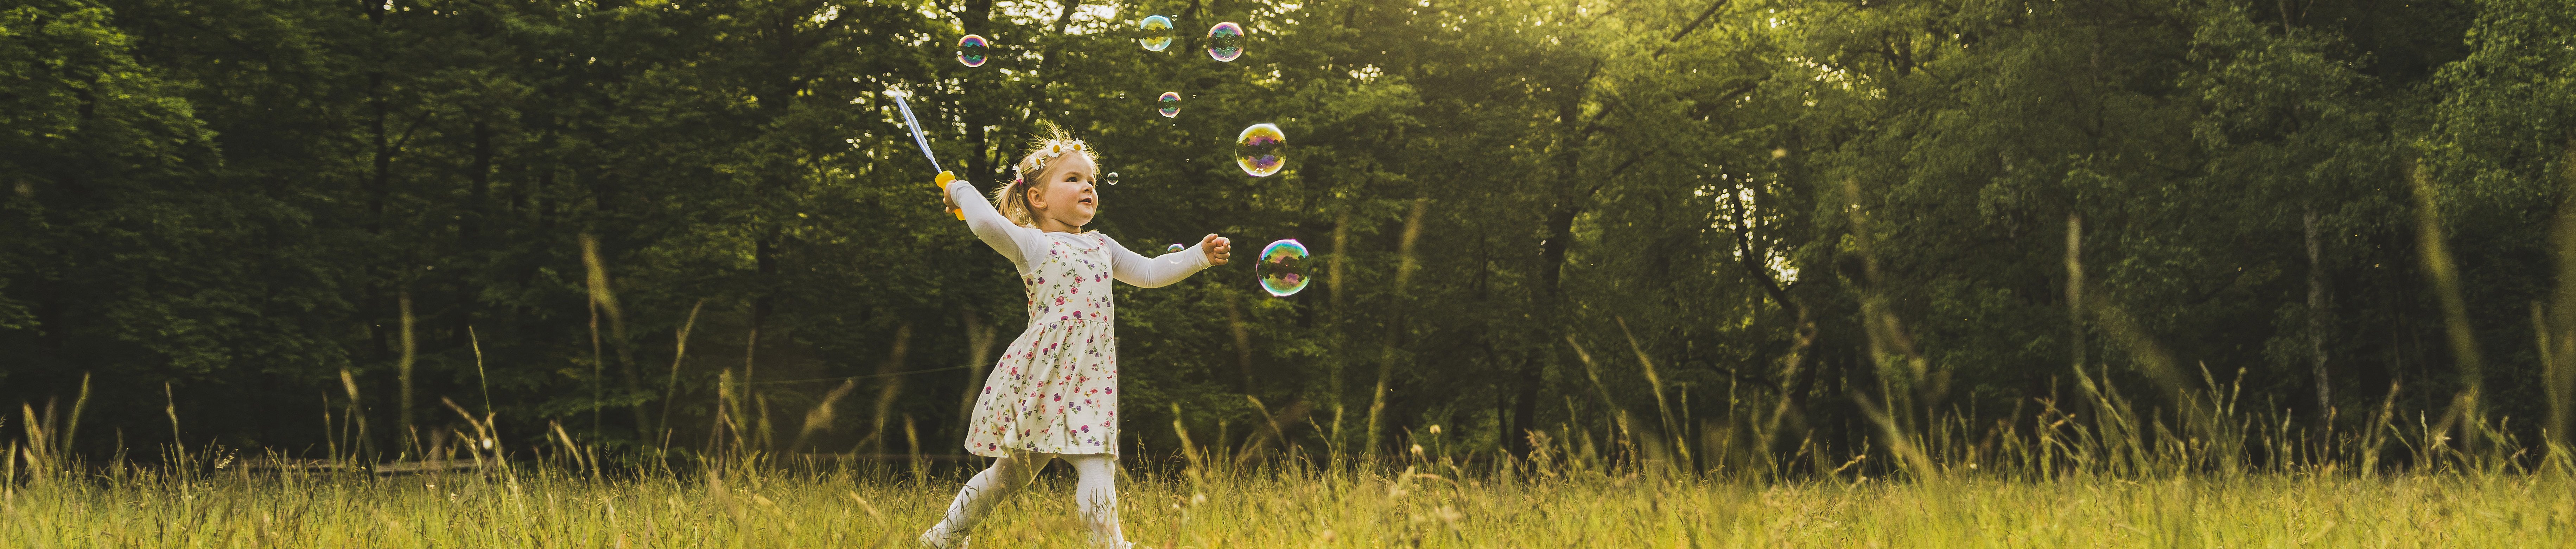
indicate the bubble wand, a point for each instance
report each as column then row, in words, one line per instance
column 908, row 122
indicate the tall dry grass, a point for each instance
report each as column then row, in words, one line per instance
column 2103, row 496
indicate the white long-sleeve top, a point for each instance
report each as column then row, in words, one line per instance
column 1026, row 246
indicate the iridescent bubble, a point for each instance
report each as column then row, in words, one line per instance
column 970, row 50
column 1112, row 179
column 1225, row 41
column 1175, row 247
column 1171, row 104
column 1261, row 149
column 1282, row 267
column 1158, row 32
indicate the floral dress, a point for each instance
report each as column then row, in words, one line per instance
column 1055, row 389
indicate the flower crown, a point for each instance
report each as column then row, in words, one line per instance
column 1051, row 149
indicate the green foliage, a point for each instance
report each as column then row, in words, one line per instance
column 1532, row 214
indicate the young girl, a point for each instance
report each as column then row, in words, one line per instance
column 1054, row 395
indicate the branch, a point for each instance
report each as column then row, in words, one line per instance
column 1693, row 26
column 1745, row 255
column 415, row 127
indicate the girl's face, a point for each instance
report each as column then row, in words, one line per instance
column 1064, row 192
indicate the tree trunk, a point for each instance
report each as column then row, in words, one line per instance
column 1242, row 339
column 2317, row 318
column 469, row 231
column 404, row 371
column 2075, row 289
column 980, row 164
column 893, row 385
column 979, row 347
column 1524, row 405
column 1395, row 327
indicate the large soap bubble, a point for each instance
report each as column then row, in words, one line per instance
column 970, row 50
column 1261, row 149
column 1158, row 32
column 1171, row 104
column 1112, row 179
column 1282, row 268
column 1225, row 41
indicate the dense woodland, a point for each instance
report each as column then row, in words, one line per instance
column 304, row 224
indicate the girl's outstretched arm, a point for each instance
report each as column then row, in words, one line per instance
column 1014, row 241
column 1153, row 272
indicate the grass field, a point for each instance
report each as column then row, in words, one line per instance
column 2211, row 475
column 1293, row 507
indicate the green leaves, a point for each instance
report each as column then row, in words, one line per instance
column 1775, row 195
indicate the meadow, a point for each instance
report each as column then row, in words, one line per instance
column 1371, row 508
column 2062, row 491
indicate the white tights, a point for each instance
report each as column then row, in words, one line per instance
column 1095, row 491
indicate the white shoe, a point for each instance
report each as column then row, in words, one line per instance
column 934, row 542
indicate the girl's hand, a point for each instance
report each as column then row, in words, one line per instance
column 1218, row 249
column 945, row 200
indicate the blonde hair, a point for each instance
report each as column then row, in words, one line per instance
column 1013, row 198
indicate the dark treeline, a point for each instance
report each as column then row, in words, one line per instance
column 285, row 217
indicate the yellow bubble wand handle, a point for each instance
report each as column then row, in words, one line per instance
column 941, row 183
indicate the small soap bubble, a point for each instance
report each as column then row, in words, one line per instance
column 1175, row 247
column 1225, row 41
column 1112, row 179
column 1171, row 104
column 1283, row 268
column 1157, row 31
column 1261, row 149
column 970, row 50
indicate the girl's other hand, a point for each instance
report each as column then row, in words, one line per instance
column 1218, row 249
column 945, row 200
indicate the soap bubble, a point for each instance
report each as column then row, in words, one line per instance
column 1113, row 178
column 1261, row 149
column 1282, row 267
column 970, row 50
column 1225, row 41
column 1171, row 104
column 1175, row 247
column 1158, row 32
